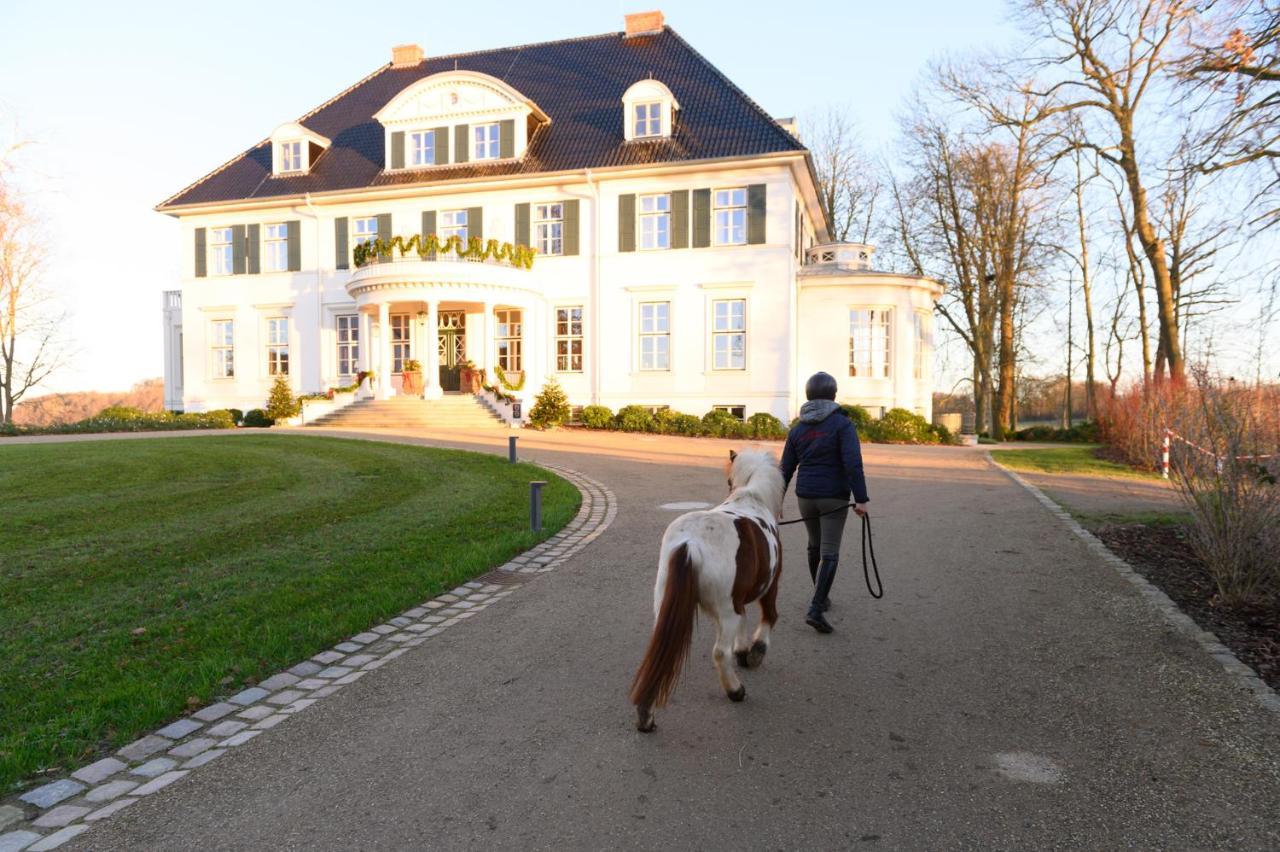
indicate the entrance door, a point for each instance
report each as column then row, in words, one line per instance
column 453, row 348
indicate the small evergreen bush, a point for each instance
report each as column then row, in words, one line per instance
column 764, row 425
column 676, row 423
column 256, row 417
column 237, row 416
column 722, row 424
column 550, row 407
column 281, row 403
column 859, row 415
column 597, row 417
column 900, row 426
column 636, row 418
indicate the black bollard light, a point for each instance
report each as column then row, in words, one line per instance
column 535, row 505
column 511, row 448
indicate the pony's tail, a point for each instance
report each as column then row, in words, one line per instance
column 672, row 634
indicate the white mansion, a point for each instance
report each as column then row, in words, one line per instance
column 680, row 254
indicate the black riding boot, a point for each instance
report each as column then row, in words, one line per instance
column 826, row 576
column 815, row 556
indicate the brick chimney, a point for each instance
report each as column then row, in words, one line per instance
column 405, row 55
column 644, row 23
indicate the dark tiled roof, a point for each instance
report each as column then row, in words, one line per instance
column 579, row 83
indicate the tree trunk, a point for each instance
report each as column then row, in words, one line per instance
column 1003, row 419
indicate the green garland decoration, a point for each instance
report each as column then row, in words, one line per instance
column 502, row 377
column 520, row 256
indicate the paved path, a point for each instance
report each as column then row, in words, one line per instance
column 1010, row 692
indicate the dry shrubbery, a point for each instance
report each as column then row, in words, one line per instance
column 59, row 408
column 1230, row 479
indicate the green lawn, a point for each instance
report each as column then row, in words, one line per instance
column 1076, row 458
column 141, row 578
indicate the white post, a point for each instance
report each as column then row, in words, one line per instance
column 431, row 381
column 384, row 350
column 1164, row 455
column 364, row 347
column 490, row 334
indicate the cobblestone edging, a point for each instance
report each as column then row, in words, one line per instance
column 51, row 815
column 1245, row 677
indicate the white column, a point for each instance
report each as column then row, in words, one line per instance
column 528, row 357
column 486, row 360
column 364, row 345
column 431, row 342
column 384, row 350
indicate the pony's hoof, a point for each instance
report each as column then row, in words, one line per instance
column 645, row 723
column 756, row 655
column 744, row 659
column 738, row 694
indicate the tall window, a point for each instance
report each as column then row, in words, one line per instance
column 548, row 228
column 401, row 348
column 291, row 156
column 655, row 335
column 655, row 221
column 453, row 223
column 222, row 346
column 422, row 148
column 918, row 351
column 348, row 344
column 277, row 346
column 648, row 119
column 870, row 342
column 220, row 255
column 569, row 339
column 364, row 230
column 730, row 217
column 486, row 142
column 276, row 248
column 729, row 334
column 508, row 340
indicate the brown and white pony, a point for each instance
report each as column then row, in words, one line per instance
column 720, row 560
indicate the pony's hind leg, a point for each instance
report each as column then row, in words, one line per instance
column 741, row 644
column 768, row 618
column 644, row 720
column 727, row 627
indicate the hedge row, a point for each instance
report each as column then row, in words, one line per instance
column 122, row 418
column 1079, row 433
column 713, row 424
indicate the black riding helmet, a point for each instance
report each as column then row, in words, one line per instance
column 820, row 386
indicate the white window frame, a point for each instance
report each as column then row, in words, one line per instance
column 400, row 334
column 569, row 321
column 919, row 327
column 509, row 330
column 723, row 330
column 486, row 141
column 292, row 154
column 222, row 348
column 726, row 227
column 654, row 334
column 277, row 350
column 422, row 148
column 453, row 223
column 646, row 119
column 360, row 230
column 548, row 228
column 347, row 328
column 221, row 251
column 738, row 411
column 871, row 326
column 654, row 221
column 275, row 247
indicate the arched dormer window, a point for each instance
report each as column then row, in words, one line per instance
column 648, row 111
column 294, row 148
column 457, row 117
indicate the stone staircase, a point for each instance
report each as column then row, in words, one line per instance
column 452, row 411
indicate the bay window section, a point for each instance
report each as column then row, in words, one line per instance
column 222, row 348
column 655, row 221
column 221, row 260
column 730, row 217
column 348, row 344
column 655, row 336
column 569, row 339
column 548, row 228
column 729, row 334
column 918, row 350
column 275, row 248
column 870, row 343
column 401, row 346
column 508, row 340
column 277, row 346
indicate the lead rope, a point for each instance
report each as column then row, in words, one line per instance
column 867, row 545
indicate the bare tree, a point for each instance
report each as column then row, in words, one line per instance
column 29, row 343
column 1078, row 189
column 849, row 182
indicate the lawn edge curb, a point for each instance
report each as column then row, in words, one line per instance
column 1240, row 674
column 142, row 768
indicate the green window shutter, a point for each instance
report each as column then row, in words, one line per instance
column 342, row 259
column 756, row 195
column 680, row 219
column 522, row 224
column 442, row 145
column 627, row 222
column 202, row 257
column 253, row 245
column 384, row 233
column 701, row 218
column 475, row 223
column 294, row 227
column 461, row 150
column 238, row 265
column 507, row 138
column 397, row 150
column 570, row 227
column 429, row 227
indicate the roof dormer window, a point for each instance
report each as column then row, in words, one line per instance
column 649, row 111
column 295, row 149
column 487, row 146
column 290, row 156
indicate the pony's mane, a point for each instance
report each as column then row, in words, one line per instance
column 755, row 474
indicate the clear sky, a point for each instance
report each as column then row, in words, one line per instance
column 125, row 103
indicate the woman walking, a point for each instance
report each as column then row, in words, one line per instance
column 824, row 445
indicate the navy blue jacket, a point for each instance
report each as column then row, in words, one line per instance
column 829, row 457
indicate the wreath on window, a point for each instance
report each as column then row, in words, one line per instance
column 502, row 378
